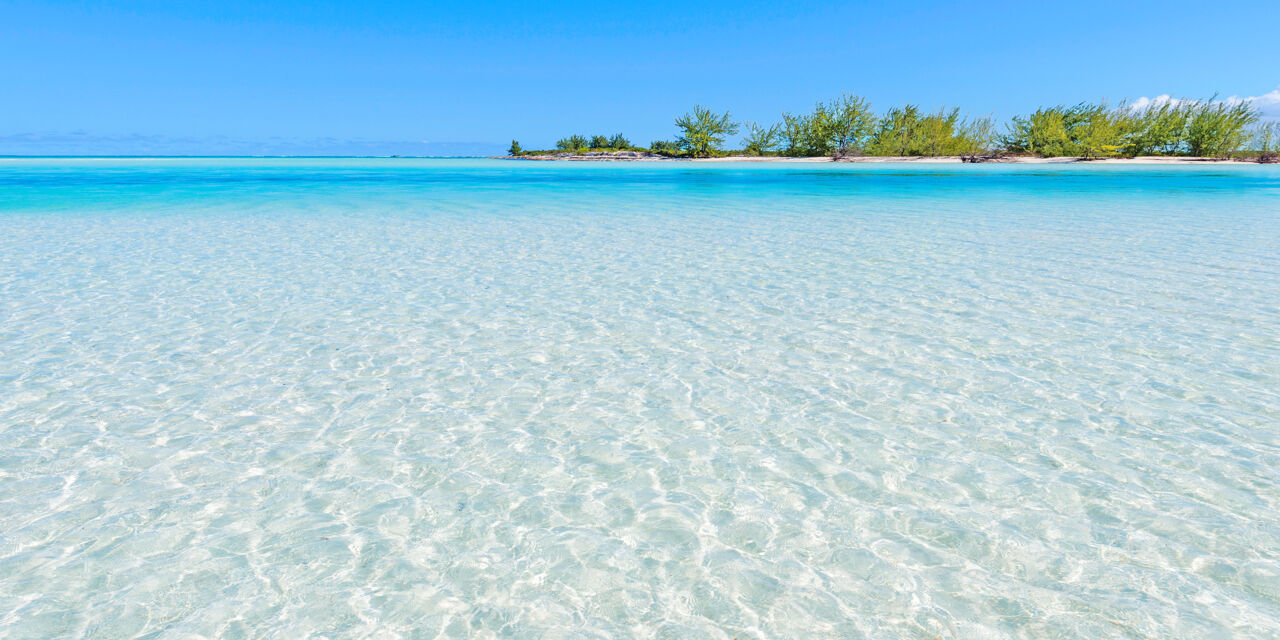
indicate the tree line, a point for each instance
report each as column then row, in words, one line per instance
column 848, row 127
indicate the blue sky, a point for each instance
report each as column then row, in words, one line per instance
column 467, row 77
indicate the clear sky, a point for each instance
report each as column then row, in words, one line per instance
column 466, row 77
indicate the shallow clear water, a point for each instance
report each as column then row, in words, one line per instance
column 381, row 398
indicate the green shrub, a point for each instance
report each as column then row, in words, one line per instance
column 1043, row 132
column 1086, row 129
column 1158, row 129
column 1103, row 132
column 845, row 126
column 976, row 137
column 759, row 140
column 1217, row 129
column 896, row 132
column 798, row 135
column 840, row 128
column 936, row 134
column 1265, row 141
column 703, row 132
column 665, row 147
column 573, row 144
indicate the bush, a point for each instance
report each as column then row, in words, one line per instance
column 665, row 147
column 976, row 137
column 799, row 136
column 703, row 131
column 1217, row 129
column 1158, row 129
column 897, row 131
column 1086, row 129
column 1102, row 132
column 759, row 140
column 936, row 134
column 572, row 144
column 845, row 126
column 1265, row 141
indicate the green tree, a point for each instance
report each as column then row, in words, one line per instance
column 665, row 147
column 820, row 136
column 897, row 132
column 760, row 140
column 703, row 132
column 1157, row 129
column 619, row 141
column 796, row 131
column 572, row 144
column 848, row 124
column 515, row 149
column 1101, row 133
column 1054, row 131
column 1217, row 129
column 935, row 134
column 1043, row 133
column 976, row 137
column 1266, row 141
column 598, row 142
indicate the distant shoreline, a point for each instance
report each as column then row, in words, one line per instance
column 634, row 157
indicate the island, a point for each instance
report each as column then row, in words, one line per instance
column 848, row 130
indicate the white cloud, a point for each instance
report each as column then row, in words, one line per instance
column 1267, row 104
column 1144, row 102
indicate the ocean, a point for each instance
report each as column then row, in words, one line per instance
column 350, row 398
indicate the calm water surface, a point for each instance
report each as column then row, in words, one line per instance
column 425, row 398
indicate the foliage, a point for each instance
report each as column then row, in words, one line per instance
column 907, row 131
column 1206, row 128
column 797, row 133
column 515, row 149
column 1216, row 129
column 665, row 147
column 1086, row 129
column 572, row 144
column 579, row 144
column 976, row 137
column 936, row 134
column 1265, row 141
column 1102, row 132
column 760, row 140
column 846, row 124
column 1158, row 129
column 895, row 132
column 1047, row 132
column 836, row 129
column 703, row 132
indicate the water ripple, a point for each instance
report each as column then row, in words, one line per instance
column 485, row 399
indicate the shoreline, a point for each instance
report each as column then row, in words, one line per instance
column 635, row 157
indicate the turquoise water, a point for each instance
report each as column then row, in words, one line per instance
column 417, row 398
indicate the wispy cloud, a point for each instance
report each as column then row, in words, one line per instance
column 86, row 143
column 1267, row 104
